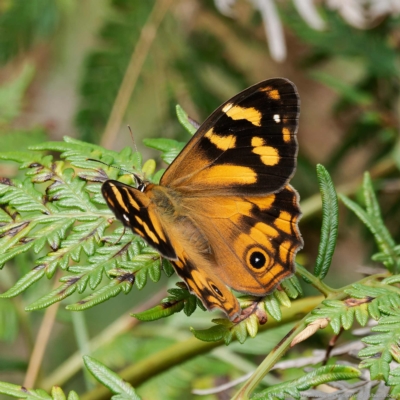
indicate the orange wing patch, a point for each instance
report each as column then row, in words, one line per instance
column 271, row 93
column 226, row 175
column 284, row 222
column 287, row 136
column 221, row 142
column 250, row 114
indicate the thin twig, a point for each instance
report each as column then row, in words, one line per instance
column 331, row 345
column 269, row 362
column 133, row 70
column 41, row 342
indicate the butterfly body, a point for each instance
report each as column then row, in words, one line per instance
column 224, row 213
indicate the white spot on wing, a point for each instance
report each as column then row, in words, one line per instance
column 227, row 107
column 126, row 218
column 277, row 118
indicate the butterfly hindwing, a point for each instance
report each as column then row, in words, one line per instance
column 253, row 240
column 247, row 146
column 206, row 285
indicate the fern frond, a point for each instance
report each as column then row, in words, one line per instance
column 362, row 302
column 59, row 213
column 294, row 388
column 383, row 348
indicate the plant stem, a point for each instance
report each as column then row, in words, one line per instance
column 82, row 339
column 41, row 342
column 133, row 70
column 316, row 282
column 269, row 362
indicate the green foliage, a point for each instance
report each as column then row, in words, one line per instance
column 394, row 382
column 169, row 147
column 363, row 302
column 23, row 24
column 389, row 252
column 11, row 95
column 383, row 348
column 8, row 321
column 106, row 66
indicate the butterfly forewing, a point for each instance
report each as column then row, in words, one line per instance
column 248, row 146
column 136, row 211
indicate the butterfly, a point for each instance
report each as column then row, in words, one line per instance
column 224, row 213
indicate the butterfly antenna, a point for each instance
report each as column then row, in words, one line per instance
column 112, row 166
column 134, row 143
column 138, row 180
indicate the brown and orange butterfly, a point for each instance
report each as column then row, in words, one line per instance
column 224, row 213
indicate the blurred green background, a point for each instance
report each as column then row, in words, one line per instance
column 89, row 68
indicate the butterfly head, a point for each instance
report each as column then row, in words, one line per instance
column 140, row 183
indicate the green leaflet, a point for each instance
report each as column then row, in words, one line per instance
column 163, row 310
column 185, row 121
column 179, row 299
column 394, row 382
column 122, row 283
column 330, row 221
column 110, row 379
